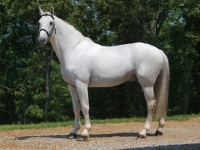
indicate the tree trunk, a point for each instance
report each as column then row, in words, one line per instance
column 154, row 21
column 186, row 82
column 141, row 19
column 186, row 86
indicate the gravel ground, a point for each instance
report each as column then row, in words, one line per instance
column 177, row 135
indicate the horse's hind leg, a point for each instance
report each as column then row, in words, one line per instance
column 161, row 124
column 151, row 103
column 76, row 108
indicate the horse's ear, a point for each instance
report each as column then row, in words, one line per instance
column 41, row 11
column 52, row 10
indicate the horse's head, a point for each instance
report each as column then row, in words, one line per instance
column 46, row 27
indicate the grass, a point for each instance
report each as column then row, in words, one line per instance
column 183, row 117
column 93, row 121
column 35, row 126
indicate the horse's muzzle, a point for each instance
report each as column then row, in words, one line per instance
column 42, row 41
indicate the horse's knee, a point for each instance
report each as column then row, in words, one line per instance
column 85, row 109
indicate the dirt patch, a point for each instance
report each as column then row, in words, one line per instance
column 177, row 135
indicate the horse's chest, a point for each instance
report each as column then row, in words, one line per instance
column 67, row 75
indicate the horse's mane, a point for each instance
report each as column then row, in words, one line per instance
column 71, row 27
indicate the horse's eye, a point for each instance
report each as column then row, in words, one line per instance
column 51, row 23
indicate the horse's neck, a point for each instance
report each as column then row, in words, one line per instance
column 65, row 40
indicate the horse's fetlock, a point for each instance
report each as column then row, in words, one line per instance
column 162, row 122
column 88, row 127
column 147, row 128
column 85, row 132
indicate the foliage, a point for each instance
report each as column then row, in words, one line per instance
column 172, row 26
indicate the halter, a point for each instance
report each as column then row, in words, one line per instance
column 52, row 29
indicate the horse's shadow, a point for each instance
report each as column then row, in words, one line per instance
column 124, row 134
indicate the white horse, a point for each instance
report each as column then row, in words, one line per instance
column 84, row 64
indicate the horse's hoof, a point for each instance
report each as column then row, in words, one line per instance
column 158, row 133
column 141, row 136
column 83, row 138
column 72, row 136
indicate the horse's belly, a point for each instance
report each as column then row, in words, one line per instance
column 108, row 81
column 111, row 72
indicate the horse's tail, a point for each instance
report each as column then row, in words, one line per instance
column 161, row 89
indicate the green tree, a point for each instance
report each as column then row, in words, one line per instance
column 180, row 40
column 25, row 67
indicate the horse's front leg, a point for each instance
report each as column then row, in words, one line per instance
column 82, row 89
column 76, row 108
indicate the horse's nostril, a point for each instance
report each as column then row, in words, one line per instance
column 44, row 40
